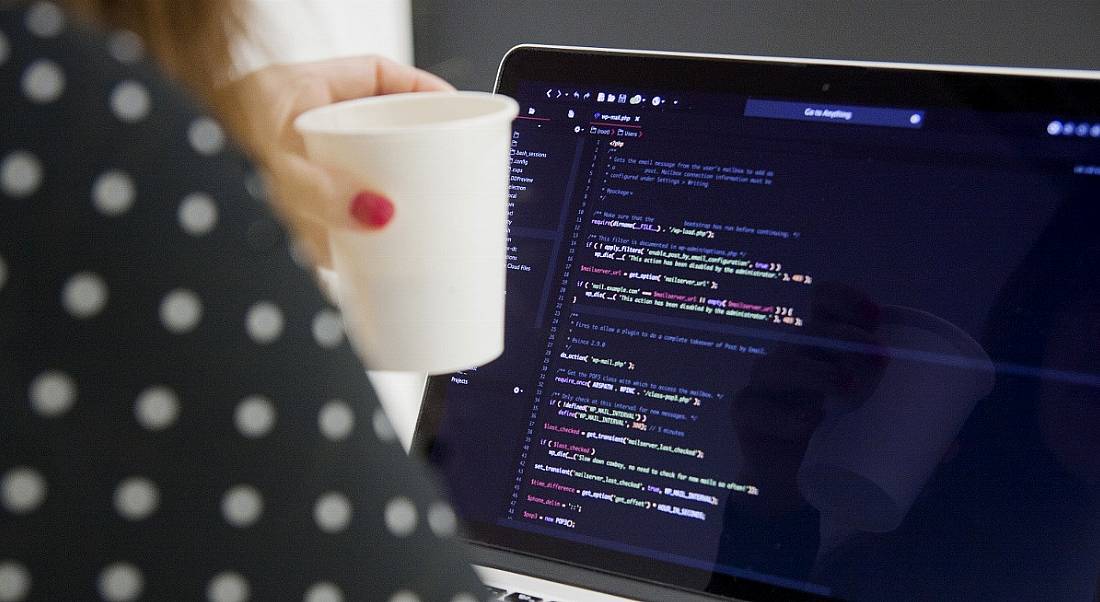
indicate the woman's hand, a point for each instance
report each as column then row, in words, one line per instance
column 784, row 401
column 312, row 197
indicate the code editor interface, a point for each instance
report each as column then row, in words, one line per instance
column 696, row 283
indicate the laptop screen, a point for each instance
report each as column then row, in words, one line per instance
column 837, row 340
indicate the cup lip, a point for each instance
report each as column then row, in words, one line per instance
column 900, row 315
column 962, row 341
column 507, row 110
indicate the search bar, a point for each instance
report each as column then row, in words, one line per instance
column 823, row 113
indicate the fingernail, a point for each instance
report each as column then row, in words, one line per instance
column 371, row 209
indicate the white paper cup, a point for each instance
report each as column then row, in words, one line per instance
column 425, row 293
column 864, row 468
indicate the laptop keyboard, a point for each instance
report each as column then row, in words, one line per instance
column 495, row 593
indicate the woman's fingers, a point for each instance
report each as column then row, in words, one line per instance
column 315, row 199
column 359, row 76
column 313, row 239
column 785, row 397
column 286, row 91
column 311, row 197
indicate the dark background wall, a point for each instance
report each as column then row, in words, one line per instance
column 463, row 40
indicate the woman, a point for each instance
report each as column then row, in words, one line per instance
column 180, row 414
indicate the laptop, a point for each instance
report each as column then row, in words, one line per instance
column 784, row 329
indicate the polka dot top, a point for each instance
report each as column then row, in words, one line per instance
column 181, row 416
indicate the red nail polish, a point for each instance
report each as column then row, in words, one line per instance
column 371, row 210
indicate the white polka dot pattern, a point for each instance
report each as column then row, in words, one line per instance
column 84, row 295
column 206, row 136
column 136, row 498
column 441, row 519
column 328, row 328
column 180, row 311
column 264, row 322
column 228, row 587
column 242, row 506
column 255, row 416
column 336, row 420
column 404, row 595
column 45, row 19
column 20, row 174
column 15, row 581
column 198, row 214
column 324, row 592
column 120, row 582
column 171, row 375
column 22, row 490
column 332, row 512
column 113, row 193
column 400, row 516
column 43, row 82
column 157, row 408
column 52, row 393
column 130, row 101
column 125, row 46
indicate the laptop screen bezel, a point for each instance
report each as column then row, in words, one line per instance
column 841, row 82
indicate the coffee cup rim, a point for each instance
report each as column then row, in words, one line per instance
column 506, row 109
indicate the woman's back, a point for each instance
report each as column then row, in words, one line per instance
column 180, row 414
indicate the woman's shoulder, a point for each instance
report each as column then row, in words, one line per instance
column 155, row 320
column 54, row 64
column 109, row 169
column 85, row 100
